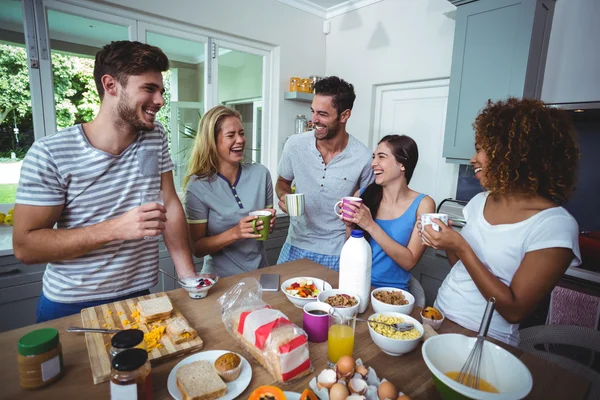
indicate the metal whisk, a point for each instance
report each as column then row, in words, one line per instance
column 469, row 373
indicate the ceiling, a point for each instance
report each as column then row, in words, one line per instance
column 328, row 8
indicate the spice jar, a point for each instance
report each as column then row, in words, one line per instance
column 300, row 124
column 294, row 84
column 130, row 376
column 127, row 339
column 40, row 358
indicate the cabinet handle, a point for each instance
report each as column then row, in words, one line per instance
column 10, row 271
column 440, row 255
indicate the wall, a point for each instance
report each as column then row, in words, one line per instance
column 391, row 41
column 297, row 34
column 243, row 82
column 573, row 61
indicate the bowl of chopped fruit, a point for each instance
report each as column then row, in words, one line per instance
column 388, row 299
column 303, row 290
column 199, row 285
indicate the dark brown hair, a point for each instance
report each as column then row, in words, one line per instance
column 531, row 149
column 341, row 92
column 406, row 152
column 124, row 58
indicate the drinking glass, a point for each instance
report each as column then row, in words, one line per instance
column 340, row 338
column 152, row 196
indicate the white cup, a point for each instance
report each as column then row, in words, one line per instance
column 426, row 220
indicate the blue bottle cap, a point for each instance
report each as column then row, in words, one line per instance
column 357, row 233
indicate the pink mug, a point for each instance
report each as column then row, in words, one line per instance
column 316, row 321
column 346, row 211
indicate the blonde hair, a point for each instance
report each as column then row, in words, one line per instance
column 204, row 160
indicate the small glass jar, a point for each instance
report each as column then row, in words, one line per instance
column 40, row 358
column 300, row 123
column 294, row 83
column 127, row 339
column 308, row 85
column 130, row 376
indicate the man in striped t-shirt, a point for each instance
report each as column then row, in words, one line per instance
column 87, row 179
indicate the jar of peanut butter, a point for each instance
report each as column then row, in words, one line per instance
column 40, row 358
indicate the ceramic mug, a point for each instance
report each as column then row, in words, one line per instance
column 316, row 321
column 295, row 204
column 264, row 216
column 426, row 220
column 346, row 211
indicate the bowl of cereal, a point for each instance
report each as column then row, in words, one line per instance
column 344, row 303
column 392, row 299
column 391, row 341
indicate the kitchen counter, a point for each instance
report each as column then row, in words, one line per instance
column 409, row 372
column 6, row 248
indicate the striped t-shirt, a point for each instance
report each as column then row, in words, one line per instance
column 95, row 186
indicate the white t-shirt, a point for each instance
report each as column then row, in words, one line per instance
column 501, row 249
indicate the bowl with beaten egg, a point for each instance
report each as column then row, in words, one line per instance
column 393, row 342
column 502, row 376
column 392, row 299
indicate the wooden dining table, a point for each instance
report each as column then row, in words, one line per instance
column 408, row 372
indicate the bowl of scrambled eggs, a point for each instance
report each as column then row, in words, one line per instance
column 393, row 342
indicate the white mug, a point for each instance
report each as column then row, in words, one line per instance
column 294, row 204
column 426, row 220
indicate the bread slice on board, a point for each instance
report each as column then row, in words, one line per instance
column 180, row 331
column 200, row 381
column 155, row 309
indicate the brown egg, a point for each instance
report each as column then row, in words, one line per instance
column 387, row 391
column 403, row 397
column 345, row 367
column 338, row 391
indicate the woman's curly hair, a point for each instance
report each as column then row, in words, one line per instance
column 531, row 149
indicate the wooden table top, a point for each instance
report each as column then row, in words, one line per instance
column 409, row 372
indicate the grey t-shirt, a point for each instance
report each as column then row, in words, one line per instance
column 319, row 230
column 214, row 201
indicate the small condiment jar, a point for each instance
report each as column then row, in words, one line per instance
column 294, row 83
column 127, row 339
column 130, row 376
column 40, row 358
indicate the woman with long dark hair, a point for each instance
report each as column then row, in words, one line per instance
column 390, row 210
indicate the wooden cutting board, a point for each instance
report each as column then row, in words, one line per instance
column 112, row 316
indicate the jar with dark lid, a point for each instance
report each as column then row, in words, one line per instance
column 127, row 339
column 130, row 376
column 40, row 358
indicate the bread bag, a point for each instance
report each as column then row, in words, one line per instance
column 267, row 334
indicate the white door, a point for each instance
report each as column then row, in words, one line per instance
column 418, row 110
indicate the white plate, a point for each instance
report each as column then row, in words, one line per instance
column 292, row 395
column 234, row 388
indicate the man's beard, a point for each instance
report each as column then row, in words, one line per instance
column 128, row 117
column 332, row 130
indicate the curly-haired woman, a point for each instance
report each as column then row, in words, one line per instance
column 518, row 240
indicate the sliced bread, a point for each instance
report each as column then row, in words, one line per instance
column 180, row 331
column 155, row 309
column 200, row 381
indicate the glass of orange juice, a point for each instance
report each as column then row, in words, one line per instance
column 340, row 339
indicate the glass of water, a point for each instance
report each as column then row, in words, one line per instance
column 152, row 196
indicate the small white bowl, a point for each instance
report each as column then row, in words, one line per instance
column 301, row 301
column 346, row 312
column 396, row 347
column 448, row 352
column 195, row 291
column 380, row 307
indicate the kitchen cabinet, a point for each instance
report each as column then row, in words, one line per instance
column 431, row 271
column 21, row 285
column 500, row 49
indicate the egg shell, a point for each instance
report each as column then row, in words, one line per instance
column 403, row 397
column 338, row 392
column 326, row 379
column 387, row 391
column 362, row 370
column 357, row 386
column 355, row 397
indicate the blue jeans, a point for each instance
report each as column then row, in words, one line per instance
column 48, row 309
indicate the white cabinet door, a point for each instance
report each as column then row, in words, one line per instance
column 418, row 110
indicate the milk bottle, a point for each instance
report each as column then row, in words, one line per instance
column 355, row 268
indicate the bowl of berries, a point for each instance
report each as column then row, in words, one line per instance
column 199, row 285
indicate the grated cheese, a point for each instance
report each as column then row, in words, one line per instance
column 153, row 337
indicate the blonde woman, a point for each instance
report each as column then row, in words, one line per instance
column 221, row 191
